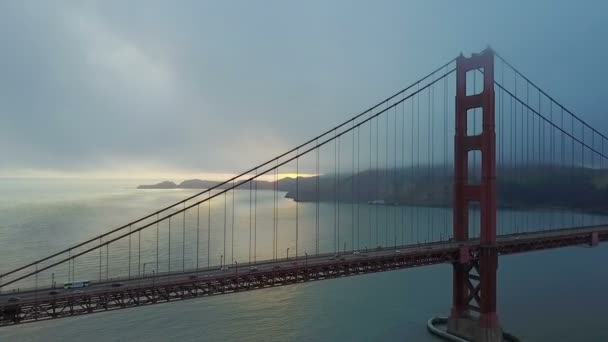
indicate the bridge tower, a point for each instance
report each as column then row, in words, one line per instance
column 473, row 315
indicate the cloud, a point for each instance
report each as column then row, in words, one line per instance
column 105, row 86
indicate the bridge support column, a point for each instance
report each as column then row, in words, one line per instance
column 473, row 315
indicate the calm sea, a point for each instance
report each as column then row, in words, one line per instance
column 543, row 296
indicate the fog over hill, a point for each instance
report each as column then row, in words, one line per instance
column 524, row 188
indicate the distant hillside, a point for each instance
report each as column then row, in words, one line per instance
column 161, row 185
column 529, row 187
column 206, row 184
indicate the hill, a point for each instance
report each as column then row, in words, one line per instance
column 523, row 188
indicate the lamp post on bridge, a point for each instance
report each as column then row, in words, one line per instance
column 287, row 253
column 143, row 274
column 144, row 268
column 221, row 261
column 153, row 284
column 305, row 266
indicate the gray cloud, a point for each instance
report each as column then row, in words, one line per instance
column 218, row 86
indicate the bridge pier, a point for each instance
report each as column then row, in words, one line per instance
column 473, row 315
column 472, row 329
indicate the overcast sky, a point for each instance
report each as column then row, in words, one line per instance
column 187, row 87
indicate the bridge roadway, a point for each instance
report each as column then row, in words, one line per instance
column 33, row 305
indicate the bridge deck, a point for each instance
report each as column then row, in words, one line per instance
column 43, row 304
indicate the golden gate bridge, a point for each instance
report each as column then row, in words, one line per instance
column 472, row 136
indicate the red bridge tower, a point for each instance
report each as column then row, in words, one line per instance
column 473, row 315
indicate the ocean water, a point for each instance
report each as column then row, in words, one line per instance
column 554, row 295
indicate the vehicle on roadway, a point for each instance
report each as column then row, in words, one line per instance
column 253, row 269
column 77, row 284
column 14, row 299
column 225, row 268
column 356, row 253
column 116, row 284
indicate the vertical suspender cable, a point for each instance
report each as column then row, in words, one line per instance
column 100, row 242
column 528, row 145
column 338, row 197
column 209, row 231
column 277, row 209
column 377, row 175
column 169, row 257
column 369, row 208
column 572, row 173
column 198, row 228
column 157, row 231
column 430, row 229
column 129, row 252
column 358, row 187
column 540, row 147
column 336, row 247
column 563, row 154
column 583, row 168
column 394, row 178
column 250, row 217
column 552, row 148
column 517, row 170
column 255, row 218
column 386, row 178
column 418, row 158
column 352, row 192
column 297, row 199
column 139, row 253
column 223, row 259
column 445, row 151
column 401, row 172
column 412, row 166
column 184, row 239
column 318, row 172
column 232, row 226
column 107, row 261
column 511, row 165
